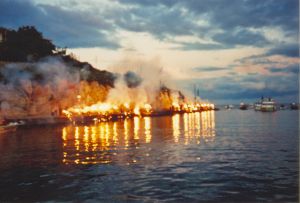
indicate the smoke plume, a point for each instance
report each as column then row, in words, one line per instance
column 47, row 87
column 37, row 89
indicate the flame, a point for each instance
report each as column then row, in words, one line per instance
column 136, row 110
column 108, row 110
column 105, row 110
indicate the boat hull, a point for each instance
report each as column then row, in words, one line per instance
column 268, row 109
column 265, row 105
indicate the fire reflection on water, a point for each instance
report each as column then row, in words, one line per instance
column 176, row 127
column 148, row 136
column 136, row 121
column 105, row 142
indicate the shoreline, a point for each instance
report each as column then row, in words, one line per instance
column 87, row 119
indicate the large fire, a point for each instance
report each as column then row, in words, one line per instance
column 52, row 89
column 105, row 111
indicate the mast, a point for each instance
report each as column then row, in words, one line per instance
column 195, row 93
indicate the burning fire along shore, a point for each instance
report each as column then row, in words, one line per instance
column 143, row 89
column 104, row 111
column 55, row 90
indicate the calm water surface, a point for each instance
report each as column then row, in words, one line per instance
column 224, row 156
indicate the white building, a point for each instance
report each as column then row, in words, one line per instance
column 2, row 34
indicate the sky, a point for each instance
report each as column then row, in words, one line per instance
column 232, row 50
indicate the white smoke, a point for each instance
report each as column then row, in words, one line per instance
column 47, row 87
column 36, row 89
column 152, row 75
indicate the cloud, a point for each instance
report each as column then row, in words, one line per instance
column 66, row 27
column 208, row 69
column 207, row 25
column 293, row 69
column 160, row 21
column 289, row 50
column 276, row 59
column 241, row 37
column 79, row 29
column 254, row 13
column 233, row 21
column 15, row 13
column 202, row 46
column 248, row 87
column 96, row 23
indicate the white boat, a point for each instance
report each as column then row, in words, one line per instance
column 265, row 105
column 257, row 106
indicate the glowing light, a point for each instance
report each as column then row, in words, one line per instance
column 148, row 129
column 126, row 105
column 105, row 111
column 86, row 138
column 77, row 143
column 176, row 127
column 147, row 107
column 64, row 137
column 115, row 133
column 136, row 110
column 136, row 122
column 186, row 128
column 126, row 133
column 93, row 144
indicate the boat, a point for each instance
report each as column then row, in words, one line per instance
column 294, row 106
column 257, row 106
column 268, row 105
column 282, row 107
column 229, row 107
column 9, row 126
column 265, row 105
column 243, row 106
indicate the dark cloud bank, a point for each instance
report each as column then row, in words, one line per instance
column 166, row 19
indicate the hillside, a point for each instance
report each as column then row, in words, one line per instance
column 28, row 46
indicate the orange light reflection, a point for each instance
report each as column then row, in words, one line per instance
column 97, row 144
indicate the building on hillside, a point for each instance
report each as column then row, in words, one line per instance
column 3, row 33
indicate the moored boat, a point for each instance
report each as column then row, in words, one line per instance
column 243, row 106
column 265, row 105
column 229, row 107
column 282, row 107
column 9, row 126
column 294, row 106
column 268, row 105
column 257, row 106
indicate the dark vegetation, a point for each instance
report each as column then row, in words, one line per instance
column 27, row 45
column 24, row 44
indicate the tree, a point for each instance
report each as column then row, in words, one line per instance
column 25, row 44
